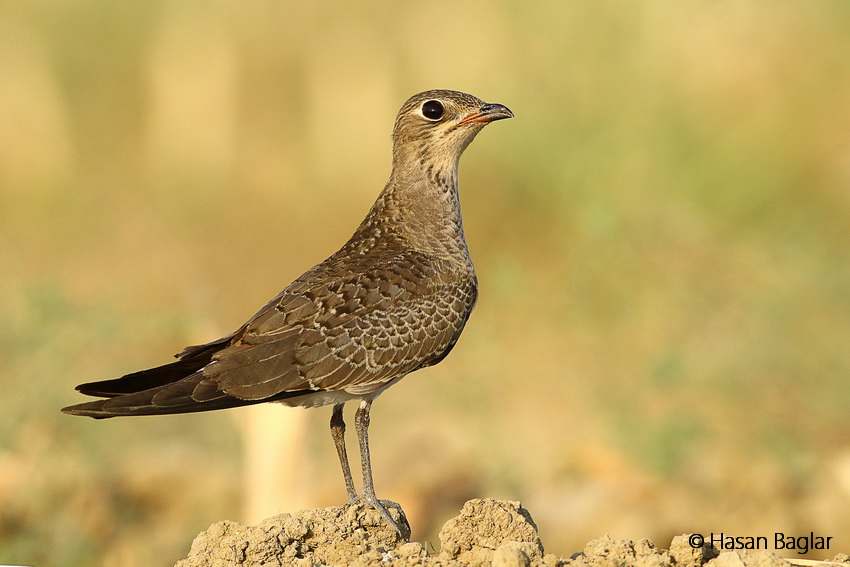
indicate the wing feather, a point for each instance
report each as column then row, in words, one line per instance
column 354, row 325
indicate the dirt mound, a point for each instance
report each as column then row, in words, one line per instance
column 486, row 532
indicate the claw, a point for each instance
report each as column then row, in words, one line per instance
column 401, row 527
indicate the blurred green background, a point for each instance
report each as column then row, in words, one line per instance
column 662, row 235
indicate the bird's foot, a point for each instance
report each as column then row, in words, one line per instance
column 400, row 525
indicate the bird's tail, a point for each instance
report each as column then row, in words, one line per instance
column 170, row 388
column 178, row 387
column 178, row 397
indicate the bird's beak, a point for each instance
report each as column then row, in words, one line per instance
column 488, row 113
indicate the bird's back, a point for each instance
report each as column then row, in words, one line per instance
column 376, row 310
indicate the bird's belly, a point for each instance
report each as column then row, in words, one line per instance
column 320, row 398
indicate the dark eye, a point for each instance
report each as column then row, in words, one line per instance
column 432, row 110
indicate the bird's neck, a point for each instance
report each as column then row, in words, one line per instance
column 422, row 204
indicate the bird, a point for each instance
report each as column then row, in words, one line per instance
column 393, row 299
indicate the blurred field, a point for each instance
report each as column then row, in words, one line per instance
column 662, row 236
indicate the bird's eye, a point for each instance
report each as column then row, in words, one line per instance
column 432, row 110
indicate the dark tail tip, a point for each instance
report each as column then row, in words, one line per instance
column 89, row 409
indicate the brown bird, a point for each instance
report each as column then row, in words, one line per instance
column 392, row 300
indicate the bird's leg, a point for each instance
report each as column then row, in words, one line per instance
column 338, row 434
column 361, row 424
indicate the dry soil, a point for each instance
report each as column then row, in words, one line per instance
column 486, row 532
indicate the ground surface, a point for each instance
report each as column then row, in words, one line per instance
column 486, row 532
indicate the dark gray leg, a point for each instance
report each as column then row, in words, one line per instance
column 361, row 424
column 338, row 434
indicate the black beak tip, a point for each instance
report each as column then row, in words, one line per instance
column 497, row 112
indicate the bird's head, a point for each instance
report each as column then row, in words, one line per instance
column 437, row 125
